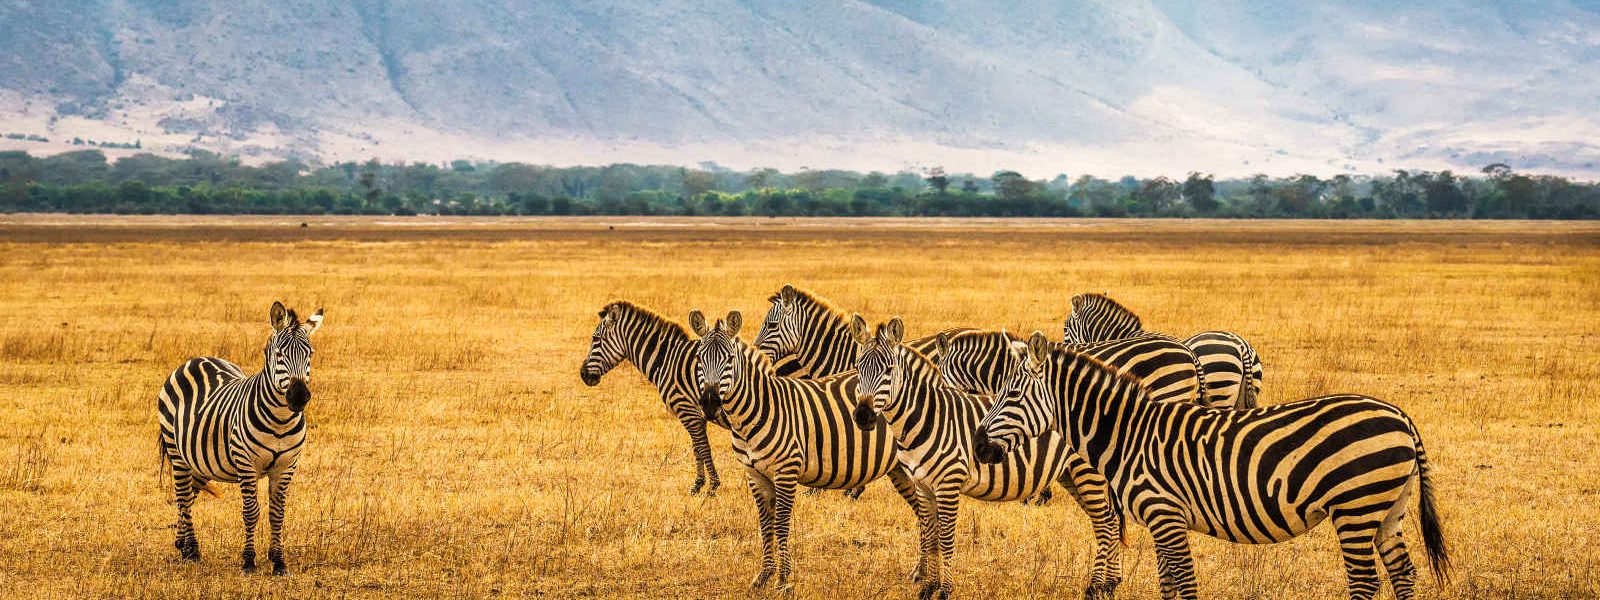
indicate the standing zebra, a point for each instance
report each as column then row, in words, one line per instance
column 1227, row 360
column 933, row 426
column 219, row 425
column 1252, row 476
column 792, row 432
column 663, row 351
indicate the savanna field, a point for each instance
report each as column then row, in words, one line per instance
column 455, row 452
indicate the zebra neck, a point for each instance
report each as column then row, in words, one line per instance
column 831, row 349
column 1101, row 413
column 915, row 402
column 751, row 392
column 269, row 405
column 656, row 351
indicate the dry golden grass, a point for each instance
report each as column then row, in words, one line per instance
column 455, row 452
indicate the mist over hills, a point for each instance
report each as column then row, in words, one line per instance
column 1142, row 87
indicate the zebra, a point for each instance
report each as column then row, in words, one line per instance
column 663, row 350
column 1232, row 369
column 933, row 425
column 792, row 432
column 1257, row 476
column 217, row 425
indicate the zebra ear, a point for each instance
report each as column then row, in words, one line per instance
column 314, row 322
column 943, row 344
column 280, row 316
column 697, row 322
column 1038, row 346
column 735, row 320
column 788, row 295
column 1077, row 302
column 858, row 329
column 893, row 331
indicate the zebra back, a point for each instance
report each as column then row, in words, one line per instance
column 981, row 361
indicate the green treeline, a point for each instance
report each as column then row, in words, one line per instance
column 205, row 183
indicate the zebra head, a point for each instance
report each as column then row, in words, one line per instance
column 878, row 375
column 717, row 361
column 779, row 335
column 1097, row 318
column 606, row 350
column 288, row 355
column 1022, row 408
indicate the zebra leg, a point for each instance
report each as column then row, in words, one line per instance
column 907, row 488
column 1093, row 493
column 247, row 491
column 946, row 502
column 1173, row 558
column 761, row 489
column 855, row 492
column 1357, row 544
column 1397, row 561
column 185, row 485
column 782, row 509
column 696, row 426
column 277, row 495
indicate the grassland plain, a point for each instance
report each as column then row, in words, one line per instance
column 454, row 451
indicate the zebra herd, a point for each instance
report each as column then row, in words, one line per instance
column 1131, row 423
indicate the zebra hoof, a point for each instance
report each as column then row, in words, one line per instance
column 916, row 573
column 694, row 490
column 189, row 551
column 1100, row 592
column 279, row 569
column 249, row 561
column 928, row 590
column 761, row 579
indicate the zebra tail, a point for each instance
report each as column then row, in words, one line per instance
column 1428, row 513
column 1251, row 377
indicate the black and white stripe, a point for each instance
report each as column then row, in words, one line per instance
column 217, row 425
column 791, row 432
column 1232, row 369
column 1252, row 476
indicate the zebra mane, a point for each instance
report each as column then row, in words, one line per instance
column 1105, row 302
column 921, row 359
column 1067, row 351
column 649, row 315
column 808, row 299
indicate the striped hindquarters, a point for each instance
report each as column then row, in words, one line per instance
column 1232, row 370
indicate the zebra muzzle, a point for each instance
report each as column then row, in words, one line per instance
column 987, row 452
column 865, row 417
column 298, row 395
column 590, row 378
column 710, row 402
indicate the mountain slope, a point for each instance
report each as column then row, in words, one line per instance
column 1082, row 85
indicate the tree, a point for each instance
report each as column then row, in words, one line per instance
column 1011, row 185
column 1200, row 192
column 938, row 180
column 1159, row 194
